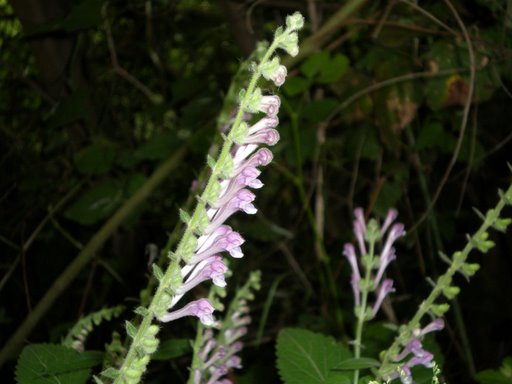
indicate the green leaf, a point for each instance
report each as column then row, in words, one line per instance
column 295, row 85
column 51, row 364
column 305, row 357
column 171, row 349
column 335, row 70
column 318, row 110
column 315, row 63
column 358, row 363
column 97, row 159
column 96, row 204
column 70, row 109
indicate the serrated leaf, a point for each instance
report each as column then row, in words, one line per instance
column 171, row 349
column 357, row 363
column 305, row 357
column 130, row 329
column 50, row 364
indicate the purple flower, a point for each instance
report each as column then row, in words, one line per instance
column 261, row 157
column 280, row 76
column 242, row 201
column 384, row 260
column 390, row 217
column 385, row 288
column 270, row 105
column 359, row 231
column 223, row 239
column 200, row 308
column 217, row 373
column 397, row 231
column 350, row 254
column 435, row 325
column 211, row 268
column 418, row 355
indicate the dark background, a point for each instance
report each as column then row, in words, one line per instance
column 95, row 96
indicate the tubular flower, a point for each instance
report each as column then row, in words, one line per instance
column 414, row 354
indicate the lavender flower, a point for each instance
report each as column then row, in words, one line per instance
column 200, row 308
column 414, row 354
column 217, row 354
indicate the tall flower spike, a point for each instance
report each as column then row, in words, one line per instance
column 225, row 192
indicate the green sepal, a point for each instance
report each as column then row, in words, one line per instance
column 152, row 330
column 97, row 380
column 290, row 43
column 210, row 161
column 458, row 257
column 110, row 373
column 143, row 311
column 188, row 248
column 202, row 216
column 133, row 374
column 450, row 292
column 502, row 224
column 470, row 268
column 440, row 309
column 254, row 102
column 157, row 272
column 294, row 22
column 131, row 330
column 278, row 33
column 176, row 279
column 184, row 217
column 239, row 134
column 269, row 69
column 150, row 345
column 211, row 196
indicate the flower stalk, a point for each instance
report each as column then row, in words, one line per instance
column 225, row 193
column 374, row 265
column 443, row 287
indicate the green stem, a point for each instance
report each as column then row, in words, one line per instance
column 442, row 282
column 86, row 255
column 165, row 282
column 361, row 315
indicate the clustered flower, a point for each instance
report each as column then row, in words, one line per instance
column 366, row 234
column 219, row 355
column 227, row 194
column 414, row 354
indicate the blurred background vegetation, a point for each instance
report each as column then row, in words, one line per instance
column 391, row 103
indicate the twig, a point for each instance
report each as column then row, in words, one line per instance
column 380, row 24
column 465, row 116
column 430, row 16
column 115, row 62
column 25, row 247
